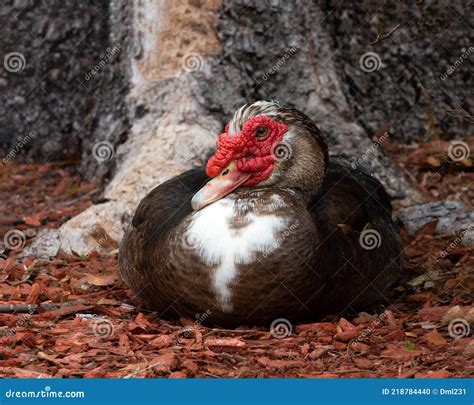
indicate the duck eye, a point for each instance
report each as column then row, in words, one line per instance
column 261, row 132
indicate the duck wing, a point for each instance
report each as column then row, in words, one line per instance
column 155, row 217
column 350, row 196
column 167, row 204
column 359, row 250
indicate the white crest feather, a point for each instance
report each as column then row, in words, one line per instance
column 268, row 108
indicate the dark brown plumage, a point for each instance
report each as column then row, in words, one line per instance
column 319, row 262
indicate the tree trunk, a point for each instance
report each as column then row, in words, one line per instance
column 47, row 49
column 170, row 74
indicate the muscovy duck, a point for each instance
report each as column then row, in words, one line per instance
column 270, row 228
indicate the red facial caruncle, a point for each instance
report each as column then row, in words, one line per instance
column 251, row 148
column 242, row 159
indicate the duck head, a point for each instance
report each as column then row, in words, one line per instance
column 265, row 145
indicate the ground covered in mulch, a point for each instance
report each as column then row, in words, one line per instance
column 90, row 326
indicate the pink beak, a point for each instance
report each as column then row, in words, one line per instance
column 229, row 179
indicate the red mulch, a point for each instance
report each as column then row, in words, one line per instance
column 35, row 195
column 98, row 330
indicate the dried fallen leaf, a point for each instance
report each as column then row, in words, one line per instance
column 363, row 363
column 427, row 229
column 49, row 357
column 428, row 276
column 33, row 220
column 438, row 374
column 317, row 353
column 453, row 313
column 102, row 280
column 346, row 325
column 164, row 362
column 34, row 294
column 229, row 342
column 161, row 341
column 347, row 335
column 435, row 337
column 433, row 161
column 178, row 374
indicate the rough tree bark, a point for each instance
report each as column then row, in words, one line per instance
column 184, row 66
column 47, row 48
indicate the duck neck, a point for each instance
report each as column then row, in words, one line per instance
column 268, row 199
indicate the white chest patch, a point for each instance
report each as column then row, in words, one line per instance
column 218, row 244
